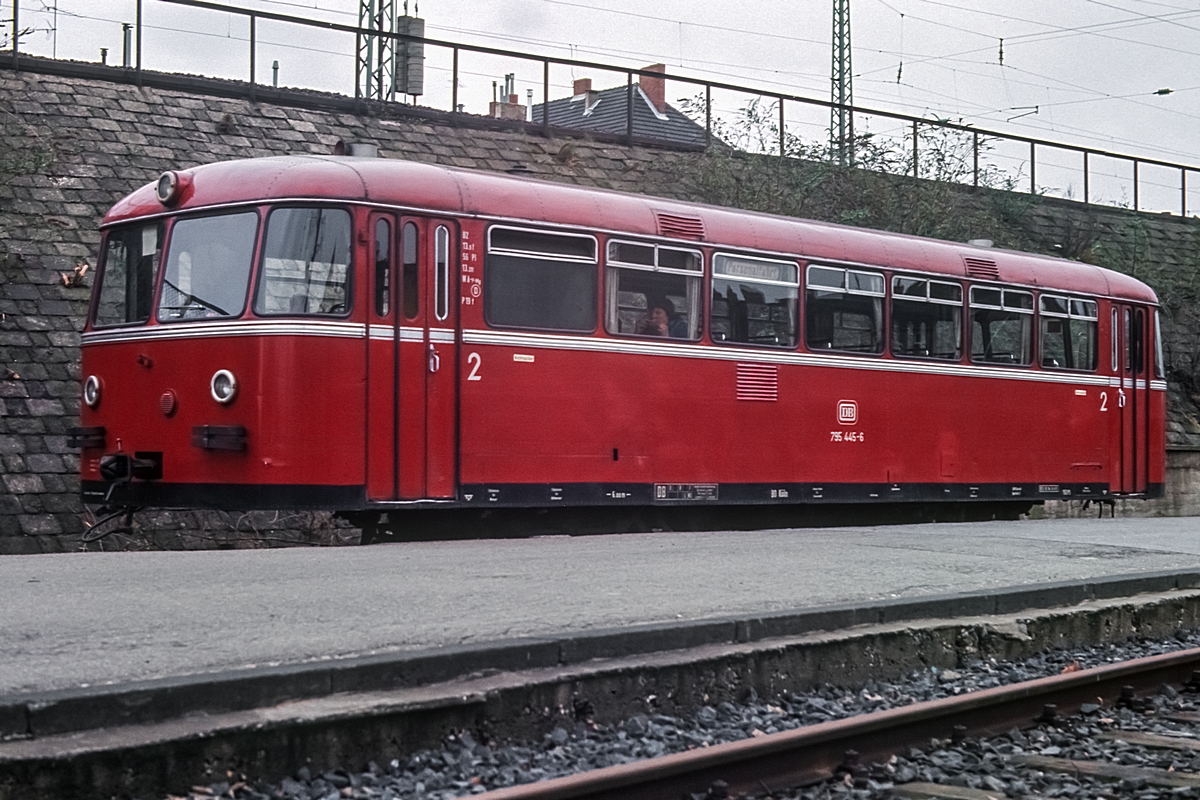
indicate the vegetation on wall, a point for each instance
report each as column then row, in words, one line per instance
column 878, row 191
column 26, row 152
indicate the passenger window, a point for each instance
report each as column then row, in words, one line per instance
column 652, row 290
column 1001, row 326
column 128, row 274
column 383, row 267
column 306, row 262
column 755, row 301
column 441, row 268
column 844, row 310
column 540, row 280
column 926, row 319
column 412, row 275
column 1068, row 332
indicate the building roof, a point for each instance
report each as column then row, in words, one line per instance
column 606, row 111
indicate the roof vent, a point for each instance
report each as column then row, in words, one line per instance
column 679, row 227
column 982, row 268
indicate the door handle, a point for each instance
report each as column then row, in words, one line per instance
column 435, row 361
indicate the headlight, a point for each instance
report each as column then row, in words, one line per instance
column 167, row 188
column 91, row 391
column 223, row 386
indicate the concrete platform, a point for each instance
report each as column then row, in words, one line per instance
column 87, row 620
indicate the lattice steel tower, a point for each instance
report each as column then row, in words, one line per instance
column 841, row 121
column 376, row 59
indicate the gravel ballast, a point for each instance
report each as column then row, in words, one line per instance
column 465, row 765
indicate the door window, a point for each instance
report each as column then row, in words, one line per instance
column 383, row 267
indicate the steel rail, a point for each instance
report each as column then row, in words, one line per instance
column 814, row 753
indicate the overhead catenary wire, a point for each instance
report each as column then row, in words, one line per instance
column 787, row 79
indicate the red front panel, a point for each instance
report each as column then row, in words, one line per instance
column 298, row 398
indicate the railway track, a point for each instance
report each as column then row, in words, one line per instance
column 775, row 764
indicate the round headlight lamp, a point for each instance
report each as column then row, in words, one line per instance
column 91, row 391
column 168, row 187
column 223, row 386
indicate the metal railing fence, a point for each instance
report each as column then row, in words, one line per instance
column 978, row 136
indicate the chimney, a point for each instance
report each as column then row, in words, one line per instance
column 655, row 88
column 582, row 86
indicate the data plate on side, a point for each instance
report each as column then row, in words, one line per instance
column 684, row 492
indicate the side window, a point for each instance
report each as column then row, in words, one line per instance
column 1068, row 332
column 540, row 280
column 207, row 269
column 926, row 318
column 383, row 267
column 306, row 262
column 755, row 301
column 127, row 276
column 1001, row 326
column 844, row 310
column 412, row 274
column 653, row 290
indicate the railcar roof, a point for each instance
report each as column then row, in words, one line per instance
column 493, row 195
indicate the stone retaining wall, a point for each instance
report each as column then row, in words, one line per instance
column 75, row 138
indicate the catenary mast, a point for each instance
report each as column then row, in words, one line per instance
column 841, row 121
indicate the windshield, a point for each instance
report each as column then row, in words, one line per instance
column 126, row 290
column 208, row 267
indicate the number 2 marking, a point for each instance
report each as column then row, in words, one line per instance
column 474, row 360
column 1104, row 401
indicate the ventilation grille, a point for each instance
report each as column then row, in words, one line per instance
column 680, row 227
column 758, row 382
column 982, row 268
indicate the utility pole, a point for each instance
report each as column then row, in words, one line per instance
column 841, row 121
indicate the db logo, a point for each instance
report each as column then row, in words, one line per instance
column 847, row 412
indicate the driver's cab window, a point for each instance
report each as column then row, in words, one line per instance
column 306, row 262
column 208, row 267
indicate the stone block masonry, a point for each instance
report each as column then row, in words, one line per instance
column 74, row 139
column 71, row 147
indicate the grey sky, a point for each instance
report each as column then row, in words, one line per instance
column 1079, row 71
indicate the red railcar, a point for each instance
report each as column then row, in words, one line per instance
column 371, row 334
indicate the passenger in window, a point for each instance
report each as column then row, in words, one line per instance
column 660, row 319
